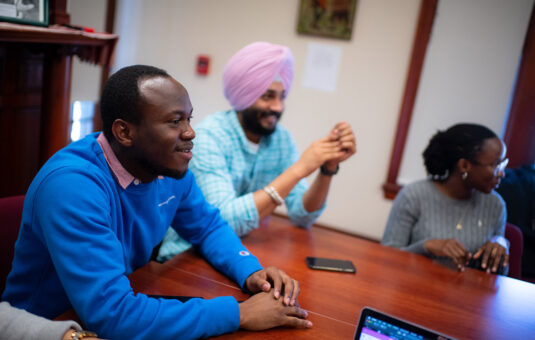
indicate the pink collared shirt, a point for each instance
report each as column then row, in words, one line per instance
column 121, row 174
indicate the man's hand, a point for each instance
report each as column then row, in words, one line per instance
column 492, row 253
column 342, row 133
column 449, row 248
column 262, row 280
column 338, row 146
column 264, row 311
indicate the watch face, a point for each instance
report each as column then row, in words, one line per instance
column 78, row 335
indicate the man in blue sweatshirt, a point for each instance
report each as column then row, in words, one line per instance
column 98, row 207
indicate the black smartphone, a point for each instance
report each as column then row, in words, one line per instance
column 336, row 265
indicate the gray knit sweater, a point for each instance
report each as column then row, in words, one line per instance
column 421, row 212
column 19, row 324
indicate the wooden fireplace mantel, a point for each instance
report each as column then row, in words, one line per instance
column 35, row 86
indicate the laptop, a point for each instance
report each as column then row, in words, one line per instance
column 376, row 325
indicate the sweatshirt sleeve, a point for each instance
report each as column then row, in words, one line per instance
column 401, row 220
column 499, row 223
column 201, row 224
column 17, row 323
column 501, row 217
column 94, row 272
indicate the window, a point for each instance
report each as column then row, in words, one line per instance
column 81, row 119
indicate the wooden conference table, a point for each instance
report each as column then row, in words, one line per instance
column 468, row 305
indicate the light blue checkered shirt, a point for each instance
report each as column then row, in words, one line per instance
column 228, row 169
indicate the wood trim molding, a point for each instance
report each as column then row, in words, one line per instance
column 424, row 27
column 105, row 73
column 520, row 130
column 58, row 12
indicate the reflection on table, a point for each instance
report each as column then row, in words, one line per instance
column 465, row 305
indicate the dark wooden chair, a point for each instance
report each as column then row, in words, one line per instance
column 10, row 218
column 516, row 247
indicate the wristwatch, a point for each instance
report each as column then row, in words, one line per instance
column 327, row 172
column 78, row 335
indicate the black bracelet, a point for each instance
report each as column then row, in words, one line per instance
column 327, row 172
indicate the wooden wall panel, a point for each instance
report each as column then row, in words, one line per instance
column 21, row 81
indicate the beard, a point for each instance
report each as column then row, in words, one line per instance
column 251, row 121
column 156, row 171
column 176, row 174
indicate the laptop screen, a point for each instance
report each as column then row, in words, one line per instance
column 375, row 325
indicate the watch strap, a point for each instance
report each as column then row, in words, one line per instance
column 327, row 172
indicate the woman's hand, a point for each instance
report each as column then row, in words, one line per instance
column 492, row 254
column 449, row 248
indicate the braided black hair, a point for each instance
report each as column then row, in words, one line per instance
column 121, row 98
column 446, row 148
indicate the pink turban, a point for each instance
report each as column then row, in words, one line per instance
column 250, row 72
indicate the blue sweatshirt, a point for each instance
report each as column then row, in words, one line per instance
column 82, row 234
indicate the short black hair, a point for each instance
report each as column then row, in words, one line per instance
column 446, row 148
column 121, row 98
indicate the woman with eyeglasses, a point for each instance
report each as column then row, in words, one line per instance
column 455, row 216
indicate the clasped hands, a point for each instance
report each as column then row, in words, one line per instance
column 275, row 302
column 491, row 253
column 339, row 145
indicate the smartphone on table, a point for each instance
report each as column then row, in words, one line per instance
column 337, row 265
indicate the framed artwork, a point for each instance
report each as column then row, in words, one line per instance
column 31, row 12
column 328, row 18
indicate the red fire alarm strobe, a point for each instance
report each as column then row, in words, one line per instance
column 203, row 64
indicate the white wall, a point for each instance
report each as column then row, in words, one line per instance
column 469, row 71
column 85, row 83
column 170, row 34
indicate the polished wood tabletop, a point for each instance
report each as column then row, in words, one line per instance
column 464, row 305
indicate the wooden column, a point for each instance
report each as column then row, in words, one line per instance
column 426, row 18
column 520, row 131
column 110, row 24
column 58, row 12
column 55, row 121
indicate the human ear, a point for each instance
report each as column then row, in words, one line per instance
column 123, row 132
column 464, row 165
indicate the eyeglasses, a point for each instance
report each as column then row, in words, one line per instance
column 497, row 167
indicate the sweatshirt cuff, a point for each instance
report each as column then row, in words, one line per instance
column 226, row 314
column 252, row 267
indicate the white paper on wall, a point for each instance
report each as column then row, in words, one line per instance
column 322, row 67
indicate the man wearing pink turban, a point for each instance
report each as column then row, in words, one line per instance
column 246, row 163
